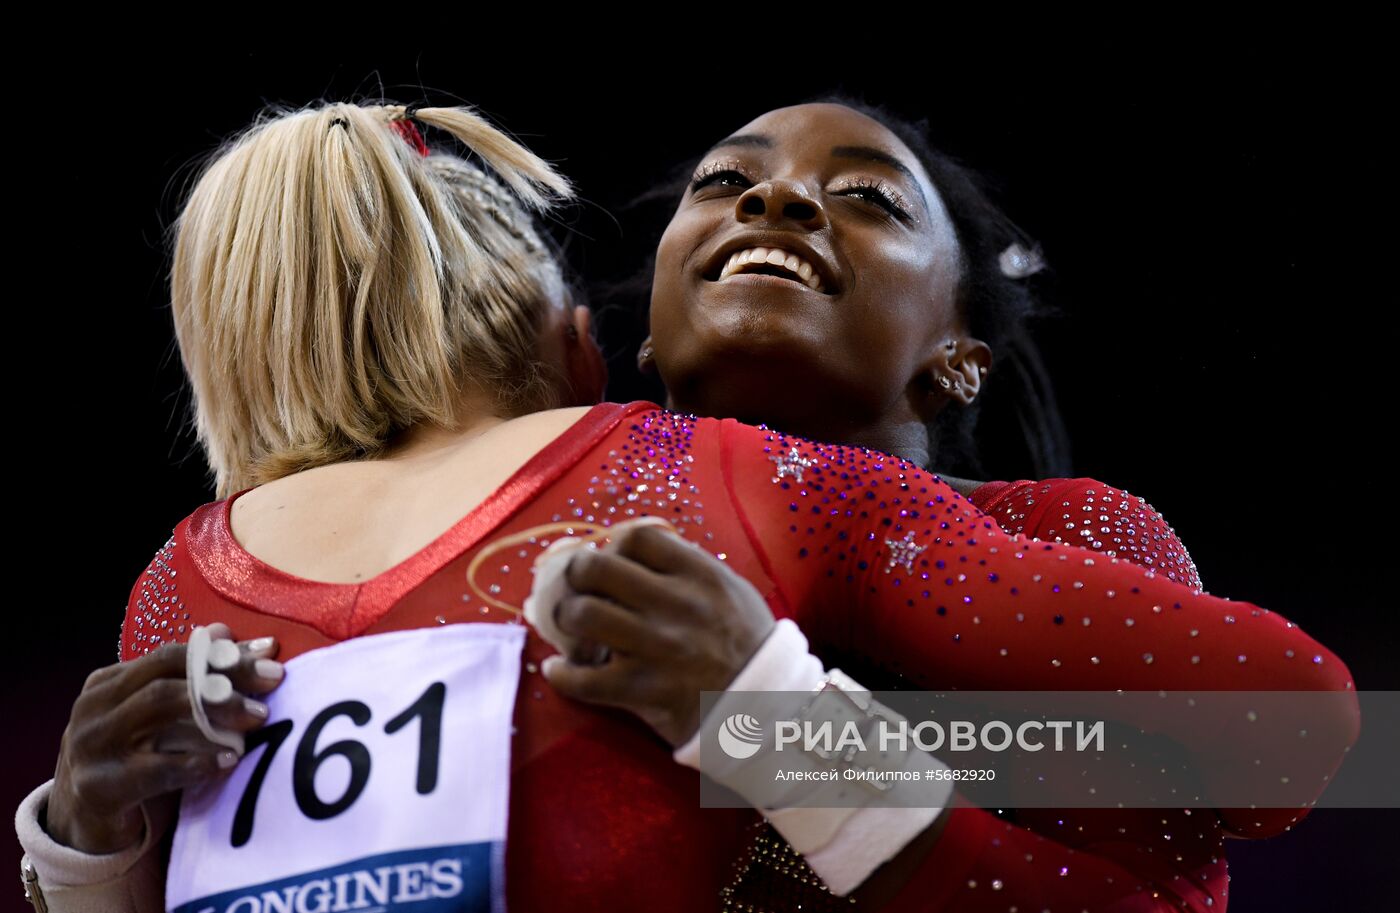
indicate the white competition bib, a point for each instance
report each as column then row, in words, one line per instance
column 380, row 783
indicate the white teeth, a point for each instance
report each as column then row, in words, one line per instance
column 802, row 270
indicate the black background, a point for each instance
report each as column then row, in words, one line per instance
column 1219, row 230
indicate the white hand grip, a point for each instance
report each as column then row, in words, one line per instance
column 201, row 653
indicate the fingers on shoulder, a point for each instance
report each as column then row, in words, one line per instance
column 609, row 573
column 655, row 543
column 592, row 684
column 602, row 621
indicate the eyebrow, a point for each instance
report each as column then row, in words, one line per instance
column 743, row 139
column 866, row 153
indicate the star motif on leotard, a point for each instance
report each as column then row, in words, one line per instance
column 791, row 464
column 903, row 552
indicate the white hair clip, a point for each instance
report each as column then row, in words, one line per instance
column 1017, row 262
column 203, row 654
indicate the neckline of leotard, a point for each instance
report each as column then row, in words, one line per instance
column 244, row 578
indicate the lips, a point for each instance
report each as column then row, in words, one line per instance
column 789, row 259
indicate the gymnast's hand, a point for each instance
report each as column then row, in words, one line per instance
column 676, row 619
column 131, row 737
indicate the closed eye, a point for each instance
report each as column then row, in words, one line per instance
column 881, row 194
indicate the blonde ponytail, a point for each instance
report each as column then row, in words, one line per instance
column 331, row 286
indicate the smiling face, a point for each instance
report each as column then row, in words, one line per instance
column 808, row 280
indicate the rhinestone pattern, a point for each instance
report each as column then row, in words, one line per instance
column 1098, row 517
column 648, row 473
column 157, row 614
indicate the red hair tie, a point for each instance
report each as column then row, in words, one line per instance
column 405, row 128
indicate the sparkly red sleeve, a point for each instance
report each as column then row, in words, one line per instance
column 880, row 559
column 1175, row 854
column 1091, row 515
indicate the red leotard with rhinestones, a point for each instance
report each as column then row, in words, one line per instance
column 601, row 817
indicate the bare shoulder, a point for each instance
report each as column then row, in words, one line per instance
column 562, row 419
column 345, row 522
column 514, row 438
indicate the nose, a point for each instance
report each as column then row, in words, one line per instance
column 780, row 199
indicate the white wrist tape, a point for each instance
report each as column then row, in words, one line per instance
column 845, row 844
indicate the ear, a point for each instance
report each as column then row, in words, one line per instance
column 646, row 357
column 587, row 369
column 953, row 372
column 971, row 359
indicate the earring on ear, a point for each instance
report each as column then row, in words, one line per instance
column 645, row 359
column 944, row 381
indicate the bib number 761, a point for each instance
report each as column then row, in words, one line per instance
column 427, row 709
